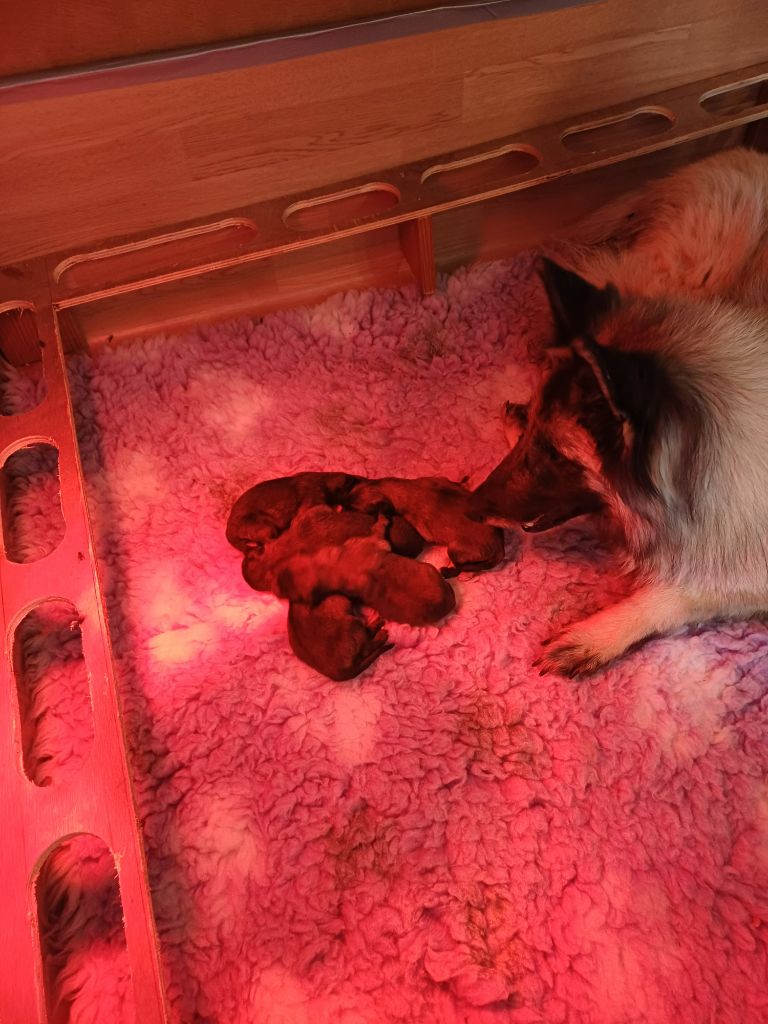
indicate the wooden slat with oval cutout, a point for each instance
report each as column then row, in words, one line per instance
column 97, row 796
column 398, row 196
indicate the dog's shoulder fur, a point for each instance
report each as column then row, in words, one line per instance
column 687, row 256
column 692, row 491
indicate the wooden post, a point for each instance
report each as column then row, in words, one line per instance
column 418, row 249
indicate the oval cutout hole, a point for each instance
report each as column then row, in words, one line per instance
column 736, row 98
column 22, row 385
column 156, row 256
column 30, row 493
column 80, row 924
column 484, row 169
column 54, row 693
column 623, row 130
column 342, row 209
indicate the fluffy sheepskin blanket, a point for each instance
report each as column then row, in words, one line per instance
column 451, row 837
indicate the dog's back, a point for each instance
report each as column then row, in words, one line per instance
column 701, row 231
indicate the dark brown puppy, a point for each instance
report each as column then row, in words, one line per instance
column 332, row 639
column 312, row 530
column 266, row 510
column 403, row 537
column 365, row 570
column 440, row 510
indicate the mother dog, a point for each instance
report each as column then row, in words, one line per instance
column 654, row 406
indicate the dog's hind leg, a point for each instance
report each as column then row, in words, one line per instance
column 653, row 610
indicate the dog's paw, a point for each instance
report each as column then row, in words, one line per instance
column 572, row 654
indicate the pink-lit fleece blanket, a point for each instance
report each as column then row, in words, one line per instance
column 451, row 837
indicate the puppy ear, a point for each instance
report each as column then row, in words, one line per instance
column 575, row 303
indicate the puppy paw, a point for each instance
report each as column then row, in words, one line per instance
column 571, row 654
column 375, row 625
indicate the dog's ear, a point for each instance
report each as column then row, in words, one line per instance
column 576, row 304
column 632, row 383
column 515, row 422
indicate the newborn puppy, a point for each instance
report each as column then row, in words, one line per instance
column 266, row 510
column 403, row 537
column 439, row 509
column 320, row 527
column 312, row 530
column 365, row 570
column 333, row 640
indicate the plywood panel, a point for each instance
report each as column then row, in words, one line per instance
column 374, row 260
column 487, row 230
column 96, row 799
column 76, row 170
column 410, row 194
column 39, row 36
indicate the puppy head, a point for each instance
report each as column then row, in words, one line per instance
column 254, row 530
column 591, row 420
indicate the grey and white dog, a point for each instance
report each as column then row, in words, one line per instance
column 654, row 408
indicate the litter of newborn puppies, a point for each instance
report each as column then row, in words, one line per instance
column 342, row 550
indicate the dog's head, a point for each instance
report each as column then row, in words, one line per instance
column 593, row 418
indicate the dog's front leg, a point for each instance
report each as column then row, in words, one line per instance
column 652, row 610
column 515, row 418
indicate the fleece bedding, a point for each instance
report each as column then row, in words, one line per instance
column 451, row 838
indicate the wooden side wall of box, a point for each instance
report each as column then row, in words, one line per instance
column 149, row 167
column 117, row 156
column 97, row 800
column 400, row 224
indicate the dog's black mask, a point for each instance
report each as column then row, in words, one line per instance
column 598, row 393
column 535, row 485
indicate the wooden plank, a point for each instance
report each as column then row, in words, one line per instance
column 38, row 37
column 79, row 169
column 360, row 212
column 406, row 193
column 373, row 260
column 200, row 61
